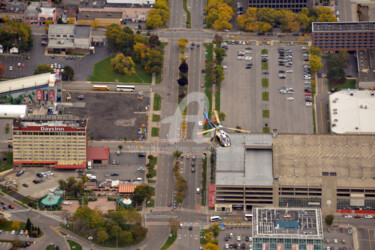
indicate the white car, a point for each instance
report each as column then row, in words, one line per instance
column 348, row 216
column 289, row 71
column 51, row 65
column 290, row 98
column 369, row 216
column 10, row 68
column 308, row 104
column 13, row 231
column 225, row 66
column 227, row 246
column 248, row 58
column 239, row 237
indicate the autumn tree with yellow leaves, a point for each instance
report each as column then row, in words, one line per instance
column 159, row 15
column 219, row 13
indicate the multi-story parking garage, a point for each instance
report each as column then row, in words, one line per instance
column 332, row 172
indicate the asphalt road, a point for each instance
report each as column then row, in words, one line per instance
column 178, row 16
column 196, row 8
column 321, row 102
column 344, row 7
column 187, row 239
column 366, row 238
column 165, row 181
column 192, row 199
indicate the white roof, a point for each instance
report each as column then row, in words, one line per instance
column 352, row 111
column 13, row 111
column 131, row 1
column 27, row 82
column 47, row 11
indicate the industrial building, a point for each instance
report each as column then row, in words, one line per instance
column 287, row 228
column 348, row 36
column 331, row 172
column 366, row 69
column 50, row 141
column 294, row 5
column 352, row 112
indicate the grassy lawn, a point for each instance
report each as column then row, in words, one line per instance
column 158, row 78
column 264, row 65
column 151, row 203
column 155, row 132
column 217, row 98
column 204, row 180
column 152, row 172
column 74, row 245
column 8, row 164
column 265, row 96
column 154, row 160
column 169, row 242
column 349, row 84
column 265, row 82
column 266, row 113
column 9, row 226
column 157, row 102
column 264, row 51
column 103, row 72
column 188, row 15
column 266, row 129
column 156, row 118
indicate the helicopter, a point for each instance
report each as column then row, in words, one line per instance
column 221, row 138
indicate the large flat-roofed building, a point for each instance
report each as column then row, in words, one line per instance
column 366, row 69
column 349, row 36
column 50, row 141
column 352, row 112
column 331, row 172
column 287, row 228
column 243, row 170
column 294, row 5
column 69, row 38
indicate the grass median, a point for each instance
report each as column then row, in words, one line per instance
column 265, row 82
column 265, row 96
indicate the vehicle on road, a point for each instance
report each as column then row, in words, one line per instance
column 357, row 217
column 215, row 218
column 239, row 238
column 11, row 206
column 169, row 204
column 10, row 68
column 290, row 98
column 369, row 216
column 25, row 185
column 101, row 87
column 114, row 174
column 20, row 173
column 225, row 66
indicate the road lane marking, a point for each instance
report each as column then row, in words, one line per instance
column 322, row 85
column 321, row 115
column 369, row 238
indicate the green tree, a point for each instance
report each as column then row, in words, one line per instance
column 177, row 154
column 289, row 21
column 314, row 51
column 68, row 74
column 315, row 63
column 304, row 19
column 28, row 225
column 153, row 61
column 269, row 16
column 220, row 53
column 215, row 229
column 336, row 75
column 211, row 246
column 123, row 65
column 154, row 41
column 43, row 68
column 222, row 116
column 329, row 219
column 141, row 192
column 182, row 43
column 63, row 185
column 120, row 39
column 140, row 51
column 155, row 19
column 219, row 73
column 183, row 81
column 16, row 34
column 325, row 14
column 125, row 237
column 248, row 21
column 264, row 27
column 102, row 237
column 184, row 68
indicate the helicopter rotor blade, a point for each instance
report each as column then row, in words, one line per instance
column 239, row 130
column 217, row 117
column 206, row 131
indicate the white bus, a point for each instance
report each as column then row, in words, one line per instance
column 128, row 88
column 248, row 216
column 215, row 218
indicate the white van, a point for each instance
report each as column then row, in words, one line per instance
column 139, row 179
column 198, row 191
column 89, row 165
column 67, row 202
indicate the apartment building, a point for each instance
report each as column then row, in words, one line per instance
column 294, row 5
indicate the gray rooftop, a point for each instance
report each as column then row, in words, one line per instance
column 61, row 29
column 247, row 162
column 92, row 15
column 82, row 31
column 287, row 223
column 366, row 65
column 49, row 120
column 343, row 26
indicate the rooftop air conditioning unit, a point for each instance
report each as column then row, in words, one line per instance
column 372, row 93
column 351, row 94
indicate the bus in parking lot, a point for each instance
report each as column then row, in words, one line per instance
column 100, row 87
column 127, row 88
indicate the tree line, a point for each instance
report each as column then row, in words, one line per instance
column 134, row 48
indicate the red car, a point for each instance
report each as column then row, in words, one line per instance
column 169, row 204
column 307, row 94
column 11, row 207
column 23, row 65
column 357, row 217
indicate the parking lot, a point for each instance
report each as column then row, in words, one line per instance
column 128, row 168
column 40, row 189
column 241, row 91
column 235, row 235
column 82, row 66
column 338, row 237
column 113, row 116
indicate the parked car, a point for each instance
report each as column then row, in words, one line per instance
column 25, row 185
column 369, row 216
column 11, row 206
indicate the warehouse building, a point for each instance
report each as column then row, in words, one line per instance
column 348, row 36
column 50, row 141
column 287, row 228
column 331, row 172
column 352, row 112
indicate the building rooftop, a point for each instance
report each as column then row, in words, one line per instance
column 27, row 82
column 297, row 223
column 366, row 67
column 82, row 31
column 15, row 7
column 343, row 26
column 97, row 153
column 61, row 29
column 51, row 200
column 92, row 15
column 47, row 11
column 247, row 162
column 302, row 159
column 139, row 2
column 49, row 121
column 61, row 43
column 352, row 111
